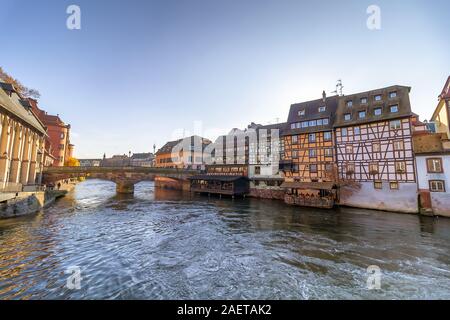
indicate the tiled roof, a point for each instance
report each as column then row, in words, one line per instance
column 13, row 105
column 401, row 100
column 167, row 148
column 311, row 112
column 445, row 94
column 142, row 155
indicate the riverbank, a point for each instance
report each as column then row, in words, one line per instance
column 24, row 203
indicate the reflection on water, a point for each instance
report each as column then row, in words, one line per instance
column 165, row 244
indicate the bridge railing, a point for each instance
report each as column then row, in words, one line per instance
column 86, row 170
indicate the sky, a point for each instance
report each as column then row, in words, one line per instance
column 140, row 73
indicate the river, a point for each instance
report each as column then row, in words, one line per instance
column 161, row 244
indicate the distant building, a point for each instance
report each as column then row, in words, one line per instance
column 142, row 160
column 183, row 153
column 115, row 161
column 22, row 139
column 58, row 132
column 90, row 162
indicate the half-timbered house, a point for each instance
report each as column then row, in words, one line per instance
column 309, row 152
column 374, row 150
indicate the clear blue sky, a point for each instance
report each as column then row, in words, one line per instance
column 138, row 70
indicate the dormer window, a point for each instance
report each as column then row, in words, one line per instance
column 378, row 97
column 322, row 109
column 349, row 103
column 347, row 117
column 363, row 100
column 302, row 113
column 392, row 94
column 394, row 108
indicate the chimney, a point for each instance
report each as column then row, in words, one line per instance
column 324, row 96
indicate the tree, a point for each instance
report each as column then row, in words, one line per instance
column 72, row 162
column 21, row 89
column 347, row 185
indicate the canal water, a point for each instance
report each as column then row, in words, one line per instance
column 162, row 244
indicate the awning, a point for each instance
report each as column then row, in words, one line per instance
column 309, row 185
column 213, row 177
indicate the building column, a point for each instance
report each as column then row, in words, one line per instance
column 25, row 158
column 41, row 157
column 4, row 142
column 15, row 162
column 34, row 148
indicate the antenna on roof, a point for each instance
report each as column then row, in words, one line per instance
column 339, row 88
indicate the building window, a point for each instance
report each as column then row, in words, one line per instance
column 313, row 168
column 373, row 168
column 378, row 185
column 394, row 185
column 349, row 103
column 322, row 109
column 347, row 117
column 301, row 113
column 394, row 108
column 349, row 169
column 295, row 168
column 62, row 135
column 396, row 125
column 356, row 130
column 378, row 97
column 398, row 145
column 434, row 165
column 377, row 111
column 305, row 124
column 312, row 153
column 349, row 148
column 319, row 122
column 61, row 147
column 437, row 185
column 257, row 170
column 294, row 139
column 312, row 137
column 344, row 132
column 400, row 167
column 294, row 154
column 392, row 94
column 327, row 136
column 376, row 147
column 362, row 114
column 325, row 121
column 363, row 100
column 328, row 152
column 312, row 123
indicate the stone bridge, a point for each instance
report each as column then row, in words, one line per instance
column 124, row 177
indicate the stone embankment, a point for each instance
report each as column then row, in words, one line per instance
column 24, row 203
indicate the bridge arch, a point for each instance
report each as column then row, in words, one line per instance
column 124, row 177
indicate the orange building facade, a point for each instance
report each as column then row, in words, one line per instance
column 59, row 149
